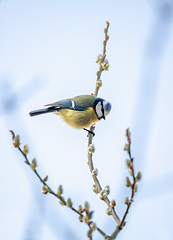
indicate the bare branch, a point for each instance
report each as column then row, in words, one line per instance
column 103, row 65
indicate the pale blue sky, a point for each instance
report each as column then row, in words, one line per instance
column 47, row 53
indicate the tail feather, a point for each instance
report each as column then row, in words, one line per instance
column 43, row 111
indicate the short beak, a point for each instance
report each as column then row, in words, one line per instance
column 104, row 117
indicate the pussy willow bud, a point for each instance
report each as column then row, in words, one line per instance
column 16, row 141
column 34, row 164
column 45, row 189
column 131, row 171
column 99, row 83
column 128, row 163
column 13, row 135
column 128, row 133
column 131, row 166
column 86, row 206
column 105, row 64
column 80, row 209
column 135, row 188
column 109, row 211
column 91, row 148
column 86, row 219
column 60, row 191
column 25, row 149
column 107, row 23
column 93, row 226
column 128, row 183
column 107, row 190
column 69, row 203
column 95, row 189
column 81, row 218
column 45, row 178
column 139, row 176
column 127, row 201
column 127, row 148
column 99, row 58
column 103, row 194
column 90, row 214
column 62, row 202
column 95, row 172
column 89, row 233
column 113, row 203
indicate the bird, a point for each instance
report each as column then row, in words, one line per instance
column 79, row 112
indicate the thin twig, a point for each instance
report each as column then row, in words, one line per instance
column 49, row 190
column 90, row 136
column 128, row 135
column 102, row 233
column 99, row 72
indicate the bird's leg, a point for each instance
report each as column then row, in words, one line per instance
column 89, row 131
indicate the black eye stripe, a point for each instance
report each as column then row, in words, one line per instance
column 102, row 108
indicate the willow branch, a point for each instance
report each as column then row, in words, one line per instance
column 33, row 166
column 47, row 189
column 132, row 185
column 99, row 72
column 103, row 65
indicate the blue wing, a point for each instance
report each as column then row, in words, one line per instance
column 67, row 103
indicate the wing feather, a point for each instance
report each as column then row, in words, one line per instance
column 67, row 103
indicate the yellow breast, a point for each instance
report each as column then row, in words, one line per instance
column 78, row 119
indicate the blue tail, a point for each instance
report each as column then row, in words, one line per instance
column 43, row 111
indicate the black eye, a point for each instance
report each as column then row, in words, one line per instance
column 103, row 111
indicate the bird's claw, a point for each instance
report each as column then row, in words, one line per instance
column 89, row 131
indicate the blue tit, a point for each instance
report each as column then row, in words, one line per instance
column 79, row 112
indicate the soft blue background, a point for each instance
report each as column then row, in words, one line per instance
column 47, row 53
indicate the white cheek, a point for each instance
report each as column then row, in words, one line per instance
column 99, row 110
